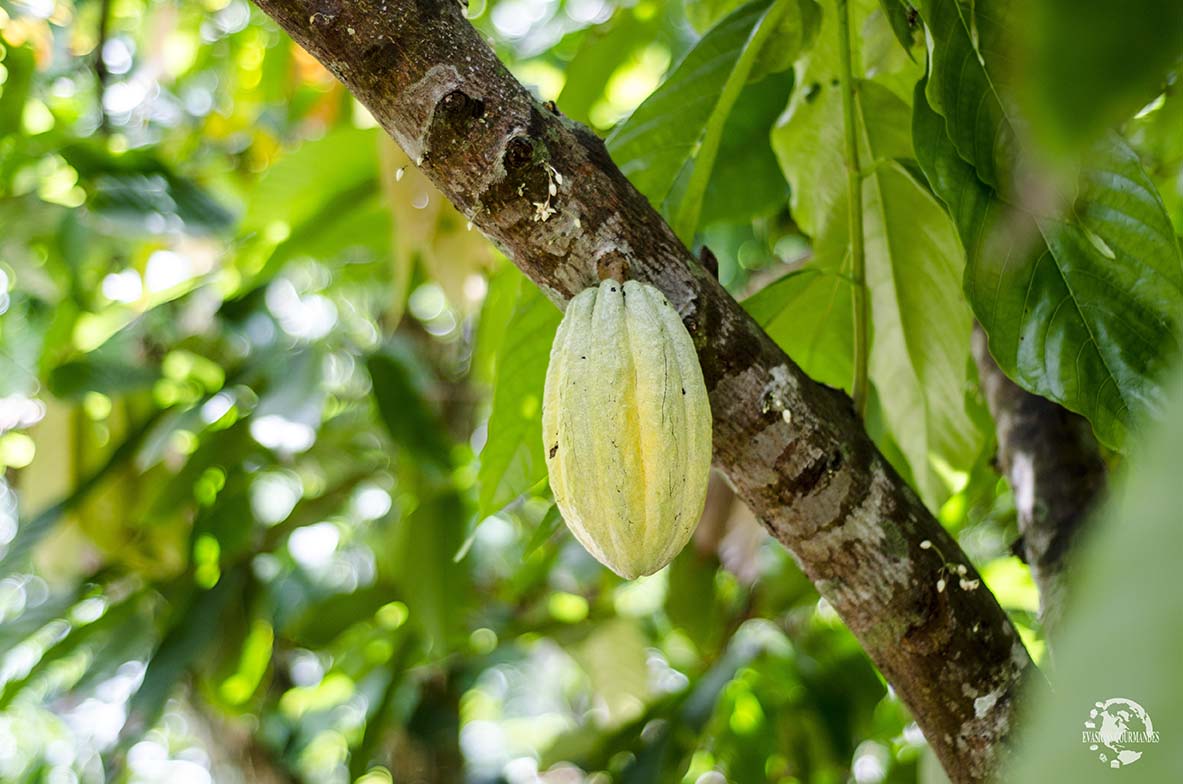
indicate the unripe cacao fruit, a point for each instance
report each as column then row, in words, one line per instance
column 626, row 425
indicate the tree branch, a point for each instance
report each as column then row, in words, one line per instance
column 1055, row 469
column 793, row 449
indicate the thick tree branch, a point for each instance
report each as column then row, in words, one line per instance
column 793, row 449
column 1054, row 466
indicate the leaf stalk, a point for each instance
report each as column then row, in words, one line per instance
column 855, row 212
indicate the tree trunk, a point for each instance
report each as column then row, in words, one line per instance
column 793, row 449
column 1055, row 469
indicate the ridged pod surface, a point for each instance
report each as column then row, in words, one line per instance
column 626, row 424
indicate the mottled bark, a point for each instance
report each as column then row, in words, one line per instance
column 1055, row 469
column 793, row 449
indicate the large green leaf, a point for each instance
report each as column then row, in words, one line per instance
column 684, row 119
column 748, row 182
column 705, row 14
column 903, row 22
column 819, row 189
column 512, row 460
column 920, row 321
column 1080, row 299
column 1155, row 136
column 809, row 314
column 313, row 177
column 100, row 371
column 657, row 139
column 321, row 623
column 691, row 602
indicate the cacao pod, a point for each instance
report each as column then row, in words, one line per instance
column 626, row 425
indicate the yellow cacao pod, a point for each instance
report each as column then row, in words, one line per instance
column 626, row 425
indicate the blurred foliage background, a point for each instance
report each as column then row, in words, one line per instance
column 271, row 507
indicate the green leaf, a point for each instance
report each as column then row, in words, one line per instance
column 604, row 49
column 904, row 26
column 1080, row 300
column 959, row 89
column 755, row 61
column 496, row 311
column 108, row 370
column 809, row 314
column 748, row 182
column 114, row 627
column 1089, row 64
column 312, row 177
column 434, row 586
column 378, row 718
column 321, row 623
column 139, row 190
column 1155, row 136
column 792, row 33
column 550, row 522
column 657, row 139
column 512, row 460
column 191, row 633
column 411, row 422
column 690, row 601
column 684, row 119
column 920, row 321
column 818, row 191
column 705, row 14
column 19, row 67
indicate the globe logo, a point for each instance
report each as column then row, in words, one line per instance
column 1118, row 729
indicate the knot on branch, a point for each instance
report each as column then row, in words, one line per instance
column 519, row 154
column 529, row 181
column 452, row 120
column 458, row 110
column 379, row 58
